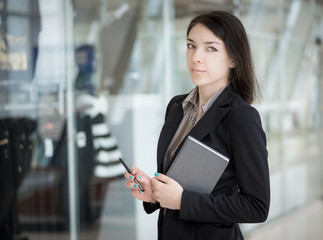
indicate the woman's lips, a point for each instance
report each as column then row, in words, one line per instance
column 197, row 71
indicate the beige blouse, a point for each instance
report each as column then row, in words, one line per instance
column 190, row 118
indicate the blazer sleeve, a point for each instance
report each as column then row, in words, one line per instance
column 150, row 207
column 248, row 151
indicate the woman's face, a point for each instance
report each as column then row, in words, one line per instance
column 207, row 59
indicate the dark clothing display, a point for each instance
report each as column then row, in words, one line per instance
column 49, row 199
column 6, row 175
column 85, row 154
column 53, row 194
column 16, row 146
column 242, row 194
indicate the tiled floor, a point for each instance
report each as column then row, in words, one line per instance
column 305, row 223
column 118, row 222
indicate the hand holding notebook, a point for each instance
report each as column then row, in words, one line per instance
column 197, row 167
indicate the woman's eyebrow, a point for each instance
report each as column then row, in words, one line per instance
column 210, row 42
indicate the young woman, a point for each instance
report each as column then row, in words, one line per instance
column 218, row 113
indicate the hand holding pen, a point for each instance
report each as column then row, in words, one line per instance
column 132, row 178
column 144, row 181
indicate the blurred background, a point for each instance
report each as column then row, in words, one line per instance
column 83, row 82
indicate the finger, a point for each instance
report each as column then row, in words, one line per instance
column 128, row 176
column 139, row 195
column 162, row 178
column 155, row 182
column 132, row 185
column 131, row 176
column 140, row 175
column 158, row 197
column 134, row 170
column 157, row 185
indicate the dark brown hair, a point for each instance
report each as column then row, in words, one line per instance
column 230, row 30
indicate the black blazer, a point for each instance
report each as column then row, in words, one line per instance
column 242, row 194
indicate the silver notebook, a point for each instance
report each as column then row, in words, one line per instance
column 197, row 167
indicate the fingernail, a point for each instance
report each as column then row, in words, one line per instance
column 131, row 177
column 138, row 177
column 156, row 174
column 135, row 186
column 132, row 170
column 139, row 191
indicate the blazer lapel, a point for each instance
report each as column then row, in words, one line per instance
column 171, row 124
column 220, row 108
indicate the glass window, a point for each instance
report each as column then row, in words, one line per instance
column 34, row 70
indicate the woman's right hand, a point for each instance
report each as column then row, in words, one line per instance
column 145, row 181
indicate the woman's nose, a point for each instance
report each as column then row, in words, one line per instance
column 197, row 56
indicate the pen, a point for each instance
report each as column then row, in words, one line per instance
column 128, row 170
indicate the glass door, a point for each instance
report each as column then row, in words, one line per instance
column 37, row 120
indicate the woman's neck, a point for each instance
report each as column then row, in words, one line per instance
column 205, row 93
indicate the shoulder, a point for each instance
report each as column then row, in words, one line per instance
column 178, row 99
column 239, row 107
column 244, row 124
column 242, row 113
column 245, row 120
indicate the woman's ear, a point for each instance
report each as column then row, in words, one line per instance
column 232, row 65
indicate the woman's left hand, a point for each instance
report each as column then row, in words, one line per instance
column 167, row 191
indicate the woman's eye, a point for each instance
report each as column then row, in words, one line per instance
column 190, row 46
column 211, row 49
